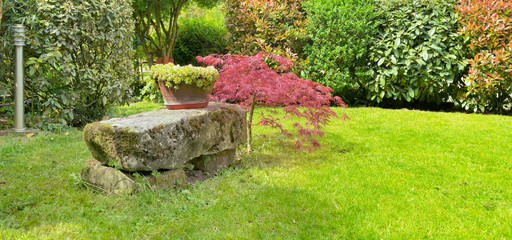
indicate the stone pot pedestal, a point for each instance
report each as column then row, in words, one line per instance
column 161, row 143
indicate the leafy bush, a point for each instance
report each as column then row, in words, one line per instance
column 150, row 91
column 249, row 80
column 488, row 24
column 201, row 33
column 273, row 26
column 340, row 34
column 79, row 63
column 418, row 54
column 174, row 75
column 83, row 59
column 13, row 12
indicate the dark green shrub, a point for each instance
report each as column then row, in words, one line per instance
column 13, row 12
column 83, row 62
column 200, row 34
column 418, row 54
column 340, row 33
column 78, row 63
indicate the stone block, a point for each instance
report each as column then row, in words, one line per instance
column 114, row 181
column 166, row 139
column 107, row 179
column 215, row 162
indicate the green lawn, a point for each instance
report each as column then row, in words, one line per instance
column 394, row 174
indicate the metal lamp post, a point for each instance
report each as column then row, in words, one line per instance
column 19, row 110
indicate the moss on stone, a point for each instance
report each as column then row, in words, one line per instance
column 106, row 141
column 156, row 140
column 157, row 129
column 195, row 123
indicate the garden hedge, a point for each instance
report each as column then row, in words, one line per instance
column 340, row 34
column 201, row 33
column 418, row 54
column 78, row 63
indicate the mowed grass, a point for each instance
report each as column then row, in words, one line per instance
column 391, row 174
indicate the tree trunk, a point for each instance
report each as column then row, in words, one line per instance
column 249, row 124
column 149, row 18
column 173, row 27
column 1, row 10
column 149, row 56
column 158, row 30
column 141, row 29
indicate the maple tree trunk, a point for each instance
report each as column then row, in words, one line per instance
column 249, row 124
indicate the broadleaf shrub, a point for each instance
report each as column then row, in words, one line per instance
column 340, row 33
column 13, row 12
column 418, row 55
column 251, row 81
column 488, row 25
column 275, row 26
column 82, row 62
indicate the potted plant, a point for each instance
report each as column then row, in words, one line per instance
column 184, row 87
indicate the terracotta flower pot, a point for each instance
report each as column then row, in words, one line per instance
column 185, row 97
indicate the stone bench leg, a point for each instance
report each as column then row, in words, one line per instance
column 114, row 181
column 215, row 162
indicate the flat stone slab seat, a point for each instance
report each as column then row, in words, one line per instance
column 167, row 139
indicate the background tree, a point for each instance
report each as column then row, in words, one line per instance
column 1, row 9
column 156, row 25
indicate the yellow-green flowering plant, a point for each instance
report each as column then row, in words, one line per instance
column 174, row 75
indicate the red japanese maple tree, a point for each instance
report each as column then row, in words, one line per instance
column 265, row 79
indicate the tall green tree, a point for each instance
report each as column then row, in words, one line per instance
column 156, row 24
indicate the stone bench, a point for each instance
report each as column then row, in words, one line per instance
column 162, row 141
